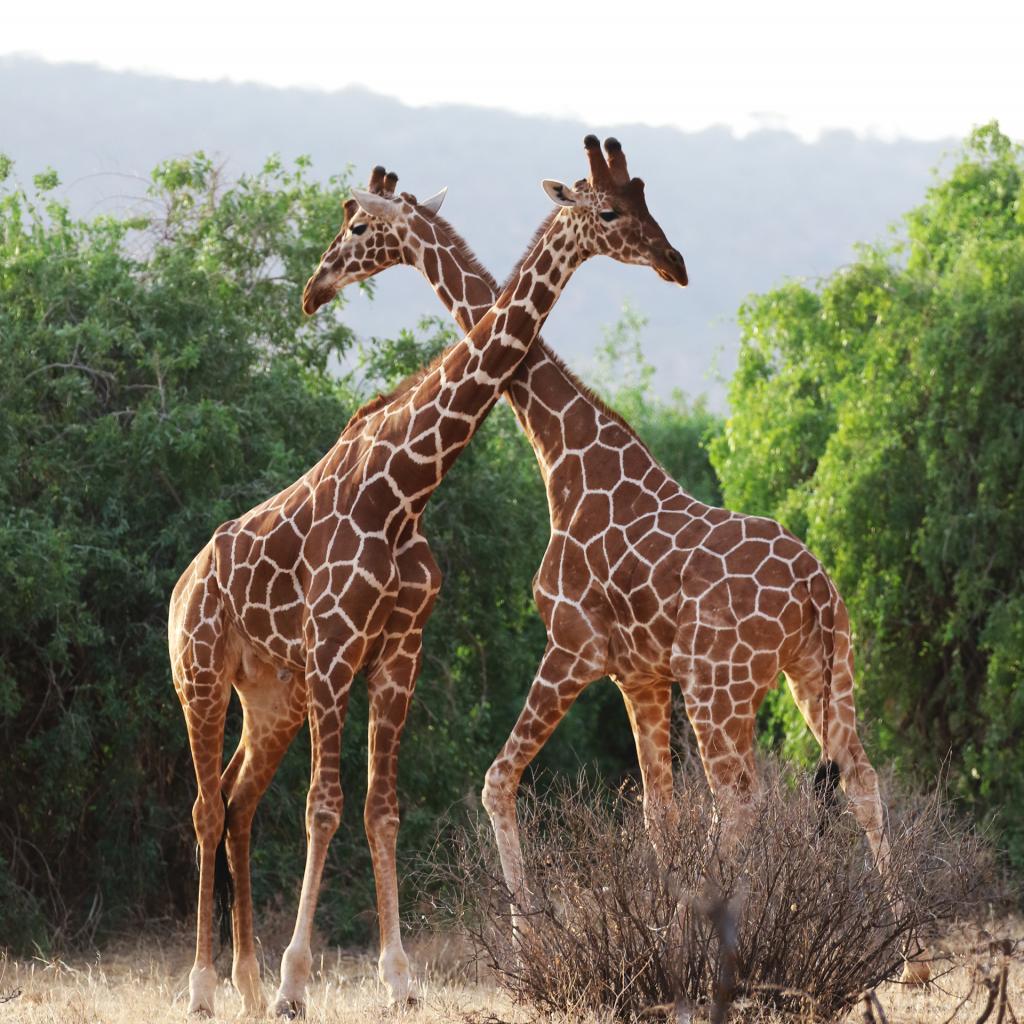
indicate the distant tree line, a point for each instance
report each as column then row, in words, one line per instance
column 157, row 377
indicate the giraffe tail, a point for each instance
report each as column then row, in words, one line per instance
column 223, row 883
column 827, row 775
column 826, row 779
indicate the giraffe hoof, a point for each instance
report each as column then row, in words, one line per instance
column 290, row 1009
column 915, row 972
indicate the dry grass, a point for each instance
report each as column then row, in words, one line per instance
column 146, row 982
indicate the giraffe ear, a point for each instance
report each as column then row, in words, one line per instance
column 559, row 192
column 374, row 205
column 433, row 204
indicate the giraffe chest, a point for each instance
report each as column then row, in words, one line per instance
column 283, row 585
column 620, row 588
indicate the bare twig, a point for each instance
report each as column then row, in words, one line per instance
column 873, row 999
column 963, row 1002
column 993, row 991
column 1000, row 1016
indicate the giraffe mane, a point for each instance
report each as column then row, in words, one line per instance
column 466, row 252
column 471, row 259
column 370, row 406
column 544, row 225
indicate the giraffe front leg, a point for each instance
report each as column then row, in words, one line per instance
column 330, row 669
column 561, row 678
column 649, row 706
column 391, row 686
column 204, row 694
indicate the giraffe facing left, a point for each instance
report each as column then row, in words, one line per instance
column 332, row 576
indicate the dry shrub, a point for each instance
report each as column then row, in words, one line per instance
column 790, row 921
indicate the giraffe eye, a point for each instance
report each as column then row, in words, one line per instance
column 609, row 215
column 358, row 229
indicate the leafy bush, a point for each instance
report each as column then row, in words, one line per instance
column 880, row 415
column 156, row 377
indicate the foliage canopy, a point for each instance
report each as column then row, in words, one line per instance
column 880, row 415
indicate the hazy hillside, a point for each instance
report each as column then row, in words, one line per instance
column 744, row 212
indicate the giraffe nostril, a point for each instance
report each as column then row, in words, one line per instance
column 675, row 261
column 311, row 300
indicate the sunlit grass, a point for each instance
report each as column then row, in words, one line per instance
column 146, row 981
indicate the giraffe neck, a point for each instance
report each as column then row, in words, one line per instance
column 554, row 409
column 437, row 416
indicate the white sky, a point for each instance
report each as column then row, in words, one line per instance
column 902, row 67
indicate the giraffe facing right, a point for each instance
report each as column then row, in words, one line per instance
column 640, row 580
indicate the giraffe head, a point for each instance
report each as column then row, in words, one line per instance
column 610, row 214
column 378, row 222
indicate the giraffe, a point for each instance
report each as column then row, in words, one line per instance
column 640, row 581
column 286, row 603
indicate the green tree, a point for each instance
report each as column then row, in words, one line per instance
column 881, row 416
column 157, row 377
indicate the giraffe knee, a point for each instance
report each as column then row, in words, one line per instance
column 859, row 780
column 324, row 819
column 862, row 776
column 239, row 817
column 498, row 792
column 208, row 819
column 380, row 817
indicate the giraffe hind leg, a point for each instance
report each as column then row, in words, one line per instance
column 857, row 776
column 198, row 655
column 273, row 710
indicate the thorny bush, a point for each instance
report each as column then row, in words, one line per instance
column 806, row 921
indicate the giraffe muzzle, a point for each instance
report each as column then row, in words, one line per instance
column 315, row 294
column 672, row 267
